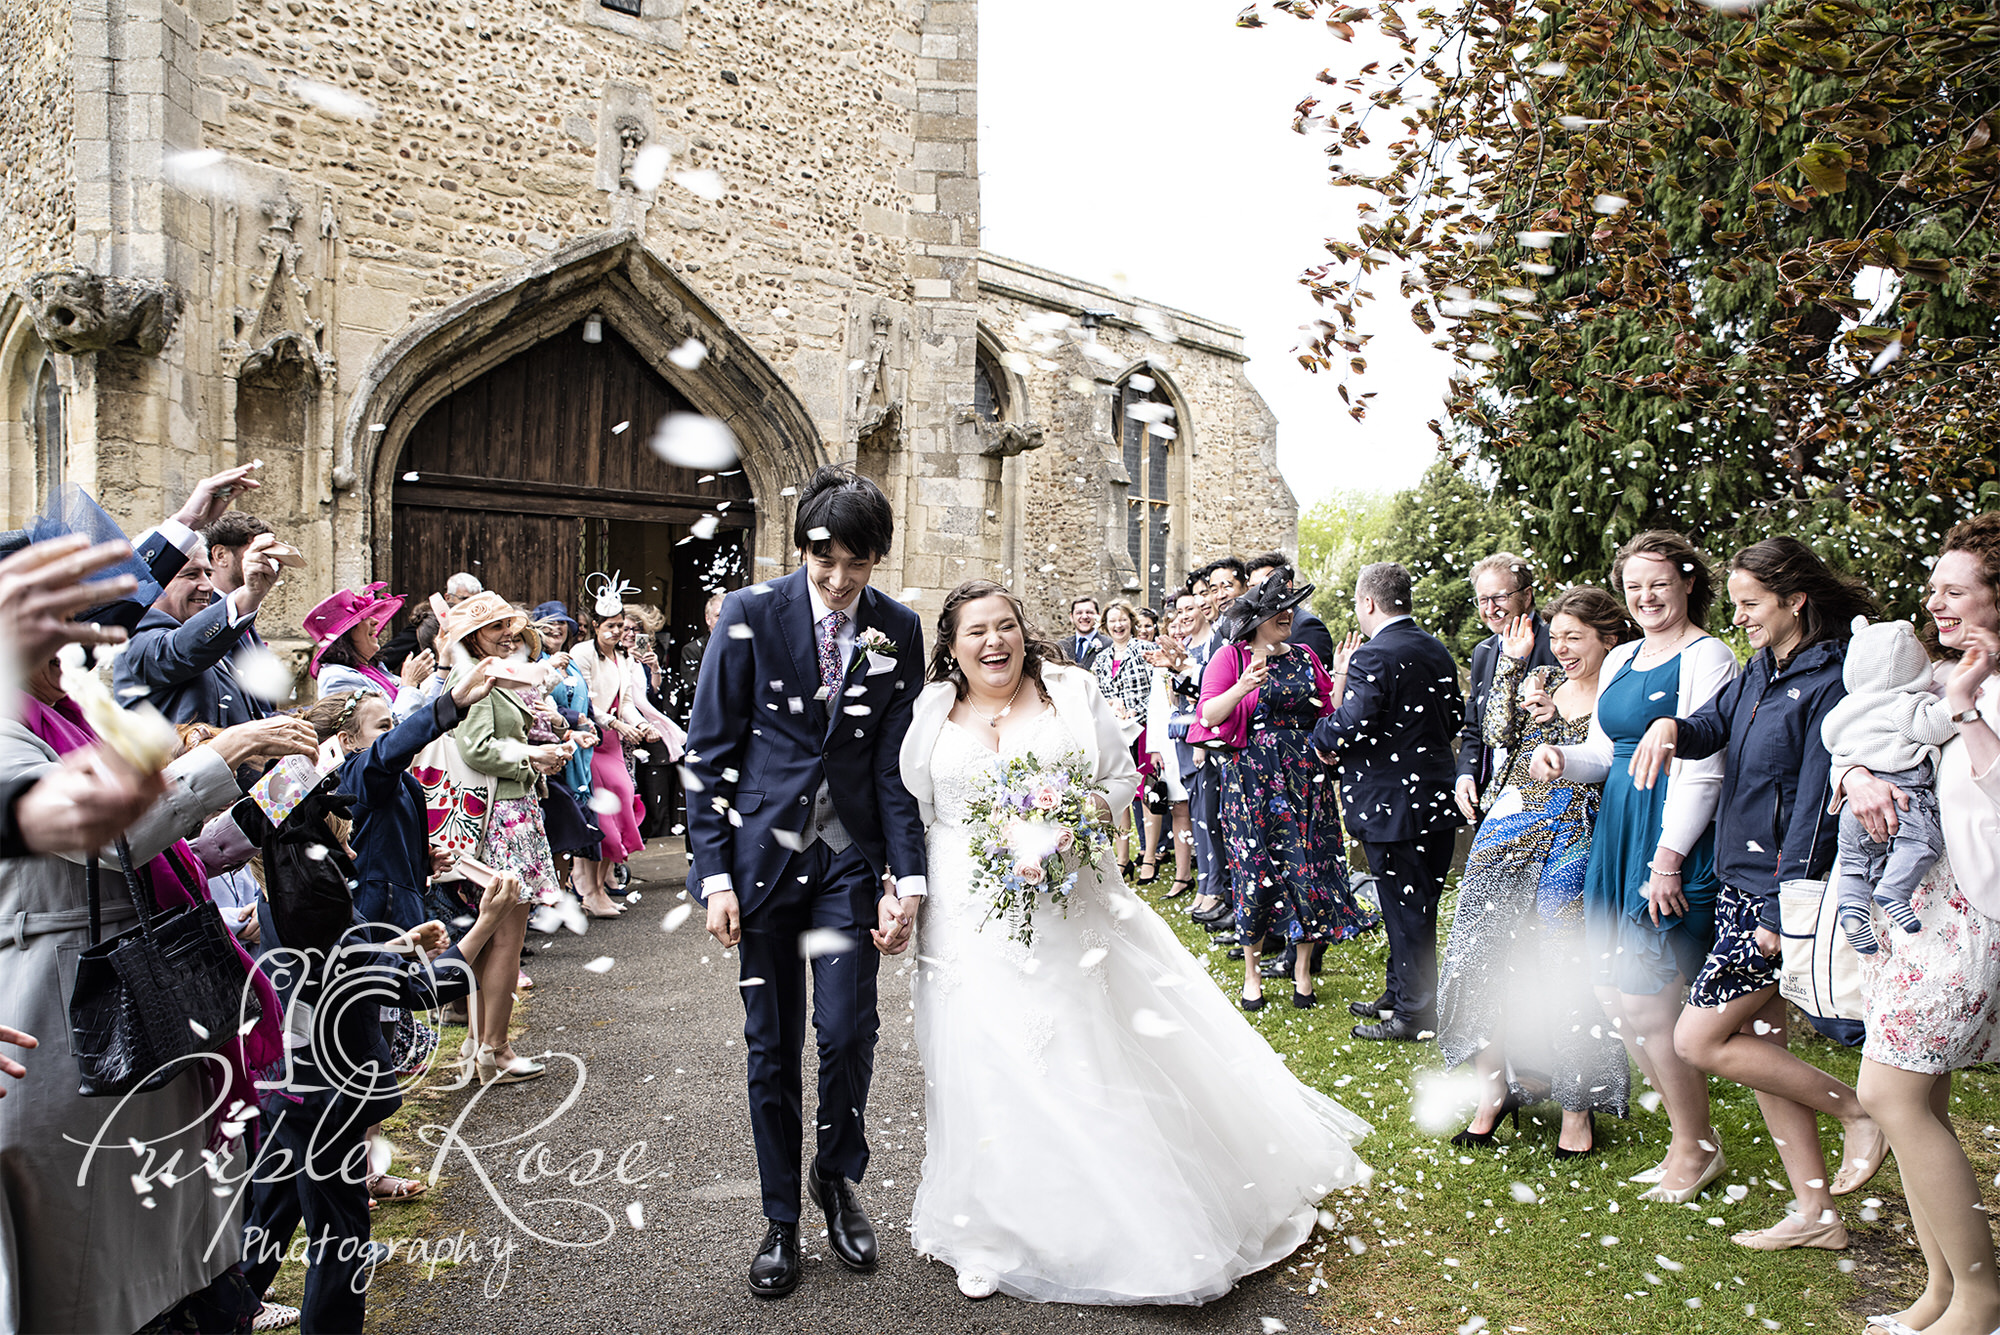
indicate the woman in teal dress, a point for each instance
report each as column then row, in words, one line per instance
column 1649, row 895
column 1514, row 999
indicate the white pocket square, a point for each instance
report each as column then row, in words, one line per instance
column 877, row 664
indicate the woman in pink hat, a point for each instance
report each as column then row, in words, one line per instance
column 346, row 633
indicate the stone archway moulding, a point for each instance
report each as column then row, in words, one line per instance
column 614, row 275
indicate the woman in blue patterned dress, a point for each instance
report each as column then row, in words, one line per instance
column 1280, row 818
column 1513, row 1000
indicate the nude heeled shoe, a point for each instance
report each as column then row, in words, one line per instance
column 1717, row 1166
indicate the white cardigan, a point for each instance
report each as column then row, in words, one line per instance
column 1707, row 665
column 1079, row 705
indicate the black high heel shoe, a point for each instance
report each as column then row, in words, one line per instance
column 1255, row 1003
column 1185, row 882
column 1509, row 1107
column 1147, row 877
column 1587, row 1150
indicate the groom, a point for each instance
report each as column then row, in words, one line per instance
column 798, row 822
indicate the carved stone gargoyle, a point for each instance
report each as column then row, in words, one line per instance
column 1004, row 440
column 76, row 311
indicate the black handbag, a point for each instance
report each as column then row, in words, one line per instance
column 170, row 988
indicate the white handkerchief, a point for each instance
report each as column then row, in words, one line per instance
column 877, row 664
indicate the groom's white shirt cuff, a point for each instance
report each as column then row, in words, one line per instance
column 720, row 883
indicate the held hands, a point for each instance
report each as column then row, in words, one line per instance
column 894, row 918
column 551, row 758
column 1546, row 765
column 1655, row 753
column 417, row 668
column 1518, row 640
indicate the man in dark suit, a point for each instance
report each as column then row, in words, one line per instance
column 799, row 821
column 1392, row 738
column 181, row 658
column 1503, row 587
column 1088, row 641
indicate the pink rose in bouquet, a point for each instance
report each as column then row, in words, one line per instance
column 1031, row 873
column 1047, row 799
column 1065, row 841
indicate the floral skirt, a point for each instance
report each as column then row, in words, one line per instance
column 1932, row 993
column 516, row 842
column 1735, row 967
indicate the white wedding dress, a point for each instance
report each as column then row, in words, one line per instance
column 1103, row 1125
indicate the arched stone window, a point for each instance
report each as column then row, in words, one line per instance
column 1147, row 433
column 51, row 435
column 989, row 392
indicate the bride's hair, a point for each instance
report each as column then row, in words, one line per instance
column 1036, row 650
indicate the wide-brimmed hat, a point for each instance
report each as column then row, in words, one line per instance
column 481, row 609
column 325, row 624
column 1264, row 601
column 555, row 611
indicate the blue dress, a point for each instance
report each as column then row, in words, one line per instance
column 1624, row 948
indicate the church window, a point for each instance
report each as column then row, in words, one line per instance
column 50, row 436
column 1146, row 429
column 988, row 400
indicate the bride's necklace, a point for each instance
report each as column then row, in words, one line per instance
column 993, row 721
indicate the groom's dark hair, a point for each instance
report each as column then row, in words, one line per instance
column 839, row 505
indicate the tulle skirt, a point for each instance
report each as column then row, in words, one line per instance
column 1103, row 1125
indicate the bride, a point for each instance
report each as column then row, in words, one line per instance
column 1103, row 1126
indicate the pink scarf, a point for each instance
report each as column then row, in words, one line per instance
column 169, row 875
column 388, row 683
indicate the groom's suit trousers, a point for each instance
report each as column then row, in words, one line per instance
column 820, row 888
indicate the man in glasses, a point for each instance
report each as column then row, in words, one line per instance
column 1503, row 587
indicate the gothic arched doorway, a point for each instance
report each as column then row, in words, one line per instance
column 538, row 472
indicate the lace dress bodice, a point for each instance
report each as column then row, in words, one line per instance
column 961, row 762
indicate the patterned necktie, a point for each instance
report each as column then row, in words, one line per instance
column 829, row 651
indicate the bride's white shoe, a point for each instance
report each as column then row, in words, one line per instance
column 976, row 1284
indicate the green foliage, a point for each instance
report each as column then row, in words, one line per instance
column 1437, row 530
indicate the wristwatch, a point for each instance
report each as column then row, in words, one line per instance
column 1971, row 715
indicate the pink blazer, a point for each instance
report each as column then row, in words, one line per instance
column 1233, row 733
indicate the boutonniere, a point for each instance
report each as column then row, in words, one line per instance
column 881, row 650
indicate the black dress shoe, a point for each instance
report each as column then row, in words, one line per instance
column 1368, row 1010
column 1395, row 1029
column 1274, row 969
column 1236, row 952
column 848, row 1231
column 774, row 1271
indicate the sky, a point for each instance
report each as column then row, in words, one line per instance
column 1149, row 148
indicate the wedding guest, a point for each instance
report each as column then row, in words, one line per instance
column 81, row 1249
column 653, row 775
column 1512, row 1000
column 571, row 831
column 345, row 630
column 1770, row 825
column 1503, row 587
column 1397, row 700
column 1929, row 992
column 624, row 721
column 404, row 643
column 569, row 692
column 1260, row 698
column 1088, row 641
column 492, row 740
column 1228, row 579
column 1649, row 895
column 1164, row 710
column 1187, row 658
column 1126, row 679
column 181, row 659
column 1145, row 624
column 1307, row 628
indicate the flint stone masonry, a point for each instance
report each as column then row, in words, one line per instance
column 316, row 183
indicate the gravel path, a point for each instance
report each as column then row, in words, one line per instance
column 658, row 1058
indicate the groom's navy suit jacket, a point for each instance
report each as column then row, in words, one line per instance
column 1392, row 735
column 760, row 743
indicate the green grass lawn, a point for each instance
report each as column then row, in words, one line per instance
column 1443, row 1239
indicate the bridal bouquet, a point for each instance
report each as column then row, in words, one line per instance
column 1033, row 827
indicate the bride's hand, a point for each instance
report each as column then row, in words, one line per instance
column 894, row 918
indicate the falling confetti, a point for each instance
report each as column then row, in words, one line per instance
column 823, row 941
column 703, row 184
column 676, row 915
column 333, row 101
column 602, row 964
column 649, row 167
column 689, row 356
column 691, row 440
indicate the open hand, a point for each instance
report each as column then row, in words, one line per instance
column 41, row 588
column 1518, row 640
column 1974, row 667
column 417, row 668
column 85, row 803
column 1655, row 752
column 1466, row 793
column 1874, row 802
column 265, row 739
column 1344, row 652
column 213, row 495
column 19, row 1039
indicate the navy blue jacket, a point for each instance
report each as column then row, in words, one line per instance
column 1769, row 825
column 185, row 667
column 391, row 835
column 1392, row 735
column 1475, row 757
column 1310, row 631
column 760, row 743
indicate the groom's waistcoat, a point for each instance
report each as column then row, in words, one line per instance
column 762, row 746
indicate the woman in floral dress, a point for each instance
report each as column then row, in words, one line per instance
column 1280, row 820
column 1513, row 999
